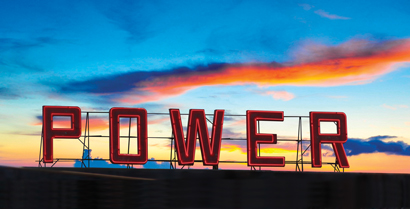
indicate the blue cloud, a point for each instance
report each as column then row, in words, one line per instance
column 7, row 93
column 156, row 165
column 100, row 163
column 132, row 17
column 127, row 81
column 96, row 162
column 374, row 144
column 11, row 50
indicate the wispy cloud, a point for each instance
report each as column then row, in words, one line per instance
column 394, row 107
column 306, row 6
column 280, row 95
column 7, row 93
column 95, row 123
column 129, row 16
column 280, row 147
column 241, row 122
column 337, row 97
column 325, row 14
column 350, row 63
column 13, row 50
column 21, row 44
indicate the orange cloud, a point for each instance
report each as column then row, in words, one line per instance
column 232, row 148
column 280, row 147
column 238, row 123
column 351, row 63
column 96, row 124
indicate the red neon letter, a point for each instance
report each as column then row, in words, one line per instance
column 49, row 133
column 197, row 124
column 141, row 115
column 252, row 116
column 337, row 140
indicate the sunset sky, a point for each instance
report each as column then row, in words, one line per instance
column 291, row 56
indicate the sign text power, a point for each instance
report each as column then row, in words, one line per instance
column 197, row 126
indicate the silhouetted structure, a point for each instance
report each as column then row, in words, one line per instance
column 190, row 188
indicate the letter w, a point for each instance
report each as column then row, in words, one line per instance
column 197, row 126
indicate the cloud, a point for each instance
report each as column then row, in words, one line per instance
column 229, row 133
column 96, row 162
column 337, row 97
column 124, row 122
column 280, row 95
column 132, row 17
column 7, row 93
column 209, row 51
column 240, row 145
column 13, row 48
column 156, row 165
column 241, row 122
column 306, row 6
column 394, row 107
column 375, row 144
column 158, row 120
column 354, row 62
column 96, row 123
column 21, row 44
column 330, row 16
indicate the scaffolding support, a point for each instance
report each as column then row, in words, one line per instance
column 86, row 158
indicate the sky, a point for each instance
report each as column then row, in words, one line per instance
column 291, row 56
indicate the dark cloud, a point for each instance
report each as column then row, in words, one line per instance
column 11, row 43
column 22, row 44
column 24, row 65
column 125, row 82
column 333, row 63
column 374, row 144
column 7, row 93
column 39, row 117
column 130, row 16
column 19, row 46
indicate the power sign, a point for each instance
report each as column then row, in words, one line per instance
column 210, row 144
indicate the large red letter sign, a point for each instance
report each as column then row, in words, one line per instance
column 337, row 140
column 141, row 115
column 197, row 125
column 49, row 133
column 252, row 116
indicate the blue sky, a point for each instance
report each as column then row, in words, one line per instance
column 101, row 54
